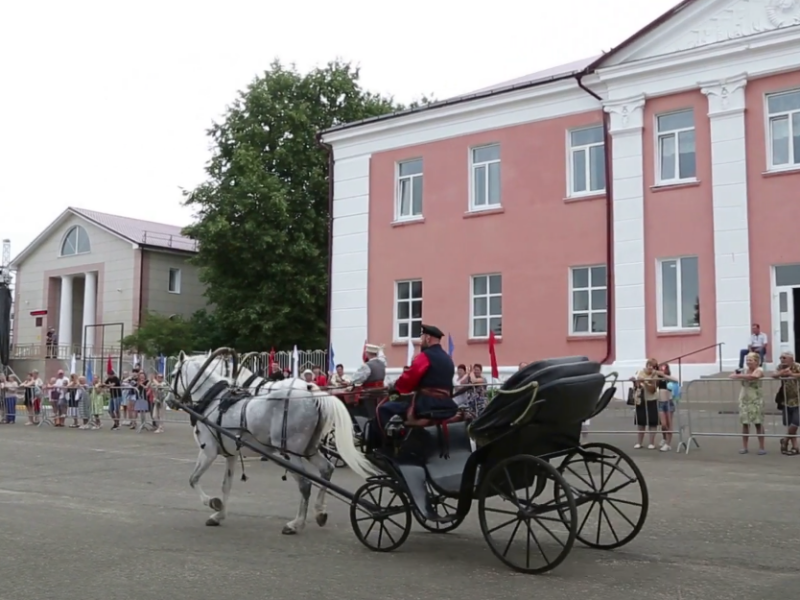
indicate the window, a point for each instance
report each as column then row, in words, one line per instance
column 784, row 129
column 676, row 147
column 486, row 311
column 175, row 281
column 409, row 190
column 408, row 309
column 587, row 161
column 679, row 294
column 588, row 300
column 75, row 242
column 485, row 186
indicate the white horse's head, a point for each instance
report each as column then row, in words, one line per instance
column 194, row 375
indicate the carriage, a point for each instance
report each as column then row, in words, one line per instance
column 521, row 462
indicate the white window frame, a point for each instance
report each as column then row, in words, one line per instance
column 398, row 195
column 473, row 166
column 177, row 288
column 80, row 231
column 674, row 133
column 410, row 320
column 794, row 161
column 586, row 148
column 488, row 295
column 659, row 293
column 589, row 311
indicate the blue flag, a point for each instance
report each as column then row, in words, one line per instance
column 450, row 346
column 161, row 364
column 331, row 359
column 89, row 374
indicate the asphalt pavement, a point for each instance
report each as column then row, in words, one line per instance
column 88, row 515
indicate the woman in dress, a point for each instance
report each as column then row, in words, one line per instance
column 751, row 401
column 666, row 406
column 646, row 403
column 141, row 403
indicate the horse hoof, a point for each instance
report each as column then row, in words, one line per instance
column 215, row 504
column 212, row 523
column 288, row 530
column 322, row 518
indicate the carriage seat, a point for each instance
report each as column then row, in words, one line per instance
column 432, row 418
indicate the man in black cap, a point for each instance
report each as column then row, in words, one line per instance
column 429, row 378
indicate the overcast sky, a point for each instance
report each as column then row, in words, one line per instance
column 104, row 105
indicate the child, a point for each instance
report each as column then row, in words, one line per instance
column 84, row 403
column 160, row 390
column 141, row 402
column 73, row 400
column 97, row 399
column 54, row 393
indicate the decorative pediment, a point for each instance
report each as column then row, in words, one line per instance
column 707, row 22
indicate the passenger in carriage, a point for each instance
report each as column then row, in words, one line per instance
column 372, row 373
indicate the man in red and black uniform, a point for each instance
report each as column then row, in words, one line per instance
column 429, row 378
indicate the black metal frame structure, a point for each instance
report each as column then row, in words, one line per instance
column 102, row 327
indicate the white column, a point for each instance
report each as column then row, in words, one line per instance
column 89, row 310
column 726, row 104
column 65, row 313
column 626, row 125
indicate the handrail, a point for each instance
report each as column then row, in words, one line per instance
column 703, row 349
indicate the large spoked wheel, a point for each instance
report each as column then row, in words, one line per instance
column 328, row 449
column 444, row 507
column 384, row 525
column 527, row 533
column 610, row 492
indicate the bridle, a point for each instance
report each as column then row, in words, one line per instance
column 178, row 377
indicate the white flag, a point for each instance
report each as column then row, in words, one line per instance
column 295, row 363
column 73, row 365
column 410, row 356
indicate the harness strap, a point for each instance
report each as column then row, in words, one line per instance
column 249, row 381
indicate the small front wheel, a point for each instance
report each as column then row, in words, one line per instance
column 381, row 515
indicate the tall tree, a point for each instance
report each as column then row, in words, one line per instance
column 262, row 214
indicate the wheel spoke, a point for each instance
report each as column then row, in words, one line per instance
column 511, row 488
column 548, row 530
column 501, row 511
column 538, row 545
column 389, row 535
column 623, row 501
column 586, row 516
column 588, row 483
column 611, row 501
column 608, row 521
column 511, row 539
column 506, row 524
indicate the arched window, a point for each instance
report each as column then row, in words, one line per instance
column 75, row 242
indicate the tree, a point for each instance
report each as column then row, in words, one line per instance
column 262, row 214
column 161, row 335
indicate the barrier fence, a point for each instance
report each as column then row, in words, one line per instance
column 706, row 408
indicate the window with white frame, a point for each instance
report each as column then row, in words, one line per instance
column 679, row 293
column 485, row 188
column 408, row 309
column 588, row 300
column 486, row 310
column 677, row 160
column 175, row 281
column 784, row 129
column 409, row 189
column 75, row 242
column 587, row 161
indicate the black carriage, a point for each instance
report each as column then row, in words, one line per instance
column 523, row 462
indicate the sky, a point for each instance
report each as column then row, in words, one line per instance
column 105, row 105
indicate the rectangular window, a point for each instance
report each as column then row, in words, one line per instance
column 676, row 147
column 588, row 300
column 784, row 129
column 175, row 281
column 587, row 161
column 679, row 293
column 409, row 190
column 485, row 173
column 486, row 306
column 408, row 309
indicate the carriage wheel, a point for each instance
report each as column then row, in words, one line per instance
column 526, row 533
column 611, row 495
column 386, row 528
column 443, row 507
column 328, row 449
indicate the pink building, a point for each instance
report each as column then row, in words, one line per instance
column 645, row 203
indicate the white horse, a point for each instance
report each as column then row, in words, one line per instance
column 268, row 421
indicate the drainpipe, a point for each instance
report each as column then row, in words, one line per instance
column 329, row 150
column 610, row 318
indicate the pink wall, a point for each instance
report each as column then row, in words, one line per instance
column 532, row 241
column 679, row 221
column 773, row 209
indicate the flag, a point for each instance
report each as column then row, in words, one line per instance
column 109, row 366
column 271, row 361
column 493, row 356
column 161, row 364
column 89, row 373
column 331, row 359
column 450, row 346
column 364, row 352
column 73, row 365
column 410, row 357
column 135, row 360
column 295, row 363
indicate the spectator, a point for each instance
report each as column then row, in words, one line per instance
column 28, row 387
column 62, row 383
column 666, row 406
column 308, row 376
column 751, row 402
column 319, row 378
column 114, row 387
column 757, row 344
column 646, row 403
column 54, row 392
column 460, row 392
column 3, row 407
column 160, row 390
column 788, row 398
column 72, row 400
column 98, row 398
column 276, row 374
column 129, row 399
column 52, row 343
column 10, row 388
column 141, row 399
column 38, row 394
column 84, row 403
column 338, row 378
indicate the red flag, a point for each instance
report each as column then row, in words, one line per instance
column 271, row 360
column 109, row 366
column 364, row 352
column 493, row 356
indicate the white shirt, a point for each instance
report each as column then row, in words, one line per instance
column 757, row 341
column 62, row 382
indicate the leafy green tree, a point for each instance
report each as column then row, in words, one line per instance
column 262, row 214
column 159, row 334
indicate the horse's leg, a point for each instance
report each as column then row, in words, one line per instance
column 227, row 484
column 299, row 522
column 208, row 452
column 326, row 470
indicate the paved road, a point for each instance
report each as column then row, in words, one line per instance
column 90, row 515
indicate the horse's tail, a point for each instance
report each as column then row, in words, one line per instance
column 334, row 410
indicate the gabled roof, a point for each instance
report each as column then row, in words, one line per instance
column 145, row 234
